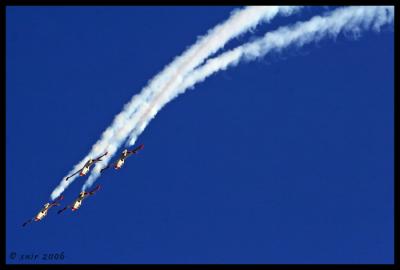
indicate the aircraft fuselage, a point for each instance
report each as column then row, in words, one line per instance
column 84, row 170
column 41, row 215
column 119, row 164
column 77, row 204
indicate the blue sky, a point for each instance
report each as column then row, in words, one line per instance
column 287, row 159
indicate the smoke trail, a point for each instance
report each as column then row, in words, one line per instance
column 350, row 19
column 239, row 22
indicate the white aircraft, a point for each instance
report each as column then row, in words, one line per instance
column 78, row 202
column 124, row 155
column 86, row 167
column 44, row 211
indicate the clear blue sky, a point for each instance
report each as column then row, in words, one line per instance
column 288, row 159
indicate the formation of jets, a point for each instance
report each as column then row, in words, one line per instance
column 83, row 195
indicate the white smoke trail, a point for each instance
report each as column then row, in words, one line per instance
column 239, row 22
column 352, row 19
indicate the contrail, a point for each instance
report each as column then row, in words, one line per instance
column 349, row 19
column 239, row 22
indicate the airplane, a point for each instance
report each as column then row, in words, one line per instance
column 44, row 211
column 78, row 202
column 86, row 167
column 124, row 155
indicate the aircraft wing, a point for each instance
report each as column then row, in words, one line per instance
column 62, row 210
column 105, row 168
column 26, row 222
column 53, row 204
column 59, row 198
column 56, row 202
column 94, row 190
column 68, row 177
column 134, row 151
column 99, row 158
